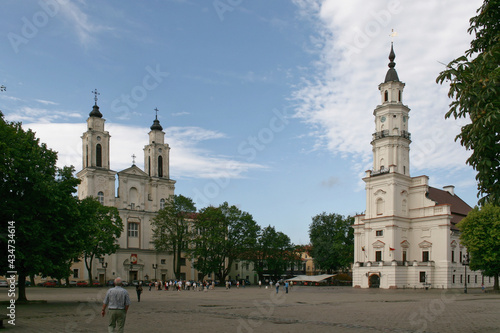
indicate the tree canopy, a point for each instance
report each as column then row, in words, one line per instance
column 475, row 92
column 332, row 240
column 101, row 226
column 36, row 199
column 480, row 233
column 171, row 229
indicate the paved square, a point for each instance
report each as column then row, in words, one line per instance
column 254, row 309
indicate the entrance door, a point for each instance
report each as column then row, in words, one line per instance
column 101, row 279
column 374, row 281
column 132, row 276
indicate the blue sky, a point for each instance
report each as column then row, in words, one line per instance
column 267, row 105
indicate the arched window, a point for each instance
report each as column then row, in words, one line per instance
column 100, row 197
column 386, row 96
column 162, row 203
column 160, row 166
column 380, row 206
column 399, row 96
column 86, row 155
column 98, row 155
column 149, row 165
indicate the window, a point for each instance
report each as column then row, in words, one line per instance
column 236, row 266
column 468, row 278
column 379, row 233
column 460, row 256
column 378, row 255
column 163, row 261
column 461, row 278
column 475, row 278
column 149, row 165
column 100, row 197
column 386, row 96
column 162, row 203
column 160, row 166
column 453, row 278
column 133, row 229
column 452, row 256
column 422, row 277
column 425, row 256
column 404, row 256
column 98, row 155
column 132, row 206
column 87, row 155
column 380, row 205
column 183, row 261
column 76, row 273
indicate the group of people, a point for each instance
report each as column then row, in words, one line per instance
column 181, row 285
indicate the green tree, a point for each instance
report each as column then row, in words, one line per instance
column 332, row 240
column 475, row 93
column 274, row 253
column 226, row 234
column 37, row 203
column 101, row 227
column 480, row 233
column 171, row 229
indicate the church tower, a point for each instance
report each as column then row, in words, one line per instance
column 97, row 179
column 156, row 153
column 391, row 140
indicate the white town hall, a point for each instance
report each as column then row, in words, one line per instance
column 407, row 237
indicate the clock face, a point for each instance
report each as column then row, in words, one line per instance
column 98, row 138
column 382, row 119
column 159, row 150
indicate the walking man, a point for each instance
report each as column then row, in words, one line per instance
column 117, row 300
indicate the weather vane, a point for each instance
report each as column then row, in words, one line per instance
column 95, row 97
column 393, row 34
column 133, row 159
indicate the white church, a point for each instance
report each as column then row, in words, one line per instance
column 140, row 195
column 407, row 237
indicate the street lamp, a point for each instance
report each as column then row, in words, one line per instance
column 155, row 266
column 465, row 262
column 104, row 265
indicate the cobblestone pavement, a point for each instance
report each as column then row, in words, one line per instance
column 253, row 309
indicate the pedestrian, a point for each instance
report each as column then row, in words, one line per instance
column 150, row 285
column 286, row 286
column 138, row 290
column 482, row 287
column 277, row 287
column 118, row 301
column 260, row 283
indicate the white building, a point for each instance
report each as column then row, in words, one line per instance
column 141, row 194
column 407, row 237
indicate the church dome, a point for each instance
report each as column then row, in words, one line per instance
column 391, row 75
column 156, row 125
column 95, row 112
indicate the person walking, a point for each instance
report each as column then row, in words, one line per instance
column 286, row 287
column 138, row 290
column 260, row 283
column 277, row 287
column 118, row 301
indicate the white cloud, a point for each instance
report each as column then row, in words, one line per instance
column 353, row 45
column 186, row 159
column 42, row 101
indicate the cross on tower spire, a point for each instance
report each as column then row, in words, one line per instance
column 133, row 159
column 95, row 93
column 156, row 109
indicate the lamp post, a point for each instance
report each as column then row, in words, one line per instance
column 105, row 265
column 155, row 266
column 465, row 262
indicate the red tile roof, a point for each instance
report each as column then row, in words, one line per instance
column 459, row 208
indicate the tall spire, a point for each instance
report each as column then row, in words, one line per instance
column 156, row 123
column 391, row 75
column 95, row 109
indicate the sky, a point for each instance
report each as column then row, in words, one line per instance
column 267, row 105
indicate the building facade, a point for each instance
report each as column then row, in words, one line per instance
column 407, row 237
column 139, row 196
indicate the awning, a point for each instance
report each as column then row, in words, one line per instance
column 310, row 278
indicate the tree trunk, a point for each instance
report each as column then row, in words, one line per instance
column 495, row 282
column 21, row 297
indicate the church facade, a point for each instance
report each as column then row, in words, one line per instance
column 139, row 196
column 407, row 237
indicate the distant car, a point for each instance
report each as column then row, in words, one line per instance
column 124, row 283
column 82, row 283
column 3, row 283
column 96, row 284
column 110, row 283
column 50, row 283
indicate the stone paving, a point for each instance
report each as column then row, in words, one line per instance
column 254, row 309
